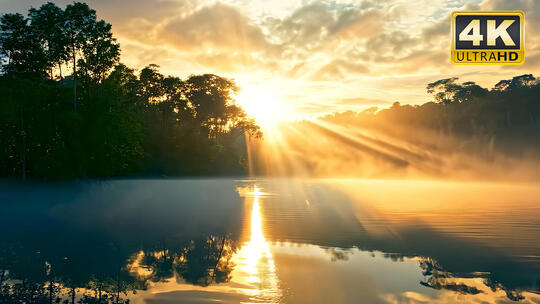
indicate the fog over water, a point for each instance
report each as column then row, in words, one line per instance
column 274, row 240
column 350, row 148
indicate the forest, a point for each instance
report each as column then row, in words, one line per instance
column 466, row 132
column 70, row 109
column 102, row 119
column 464, row 117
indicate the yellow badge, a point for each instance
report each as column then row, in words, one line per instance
column 488, row 37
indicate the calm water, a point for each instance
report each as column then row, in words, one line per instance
column 270, row 241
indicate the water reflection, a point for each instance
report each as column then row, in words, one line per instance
column 200, row 262
column 269, row 241
column 257, row 264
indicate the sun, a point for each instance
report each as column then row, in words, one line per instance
column 264, row 104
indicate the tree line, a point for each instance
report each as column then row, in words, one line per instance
column 103, row 119
column 504, row 119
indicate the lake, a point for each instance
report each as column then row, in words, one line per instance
column 269, row 241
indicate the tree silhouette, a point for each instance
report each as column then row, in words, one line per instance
column 48, row 22
column 122, row 122
column 504, row 120
column 79, row 22
column 21, row 50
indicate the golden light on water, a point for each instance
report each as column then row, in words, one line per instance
column 255, row 261
column 256, row 248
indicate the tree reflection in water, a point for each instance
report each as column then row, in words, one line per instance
column 102, row 249
column 201, row 262
column 438, row 278
column 32, row 279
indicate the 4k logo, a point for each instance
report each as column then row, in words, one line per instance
column 488, row 37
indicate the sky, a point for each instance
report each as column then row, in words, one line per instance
column 315, row 57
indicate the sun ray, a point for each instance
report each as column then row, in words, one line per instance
column 265, row 105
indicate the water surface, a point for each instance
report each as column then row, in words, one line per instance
column 271, row 241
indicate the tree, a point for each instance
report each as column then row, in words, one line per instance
column 126, row 125
column 20, row 47
column 80, row 21
column 100, row 53
column 150, row 88
column 517, row 82
column 210, row 94
column 468, row 91
column 26, row 62
column 443, row 89
column 48, row 22
column 211, row 97
column 449, row 91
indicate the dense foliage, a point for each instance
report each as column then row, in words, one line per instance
column 104, row 119
column 464, row 117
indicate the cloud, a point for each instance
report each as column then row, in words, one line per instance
column 357, row 23
column 390, row 46
column 319, row 23
column 117, row 11
column 363, row 102
column 214, row 27
column 235, row 62
column 304, row 27
column 423, row 59
column 338, row 69
column 532, row 18
column 440, row 29
column 327, row 50
column 154, row 11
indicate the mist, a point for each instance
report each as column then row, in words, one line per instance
column 467, row 132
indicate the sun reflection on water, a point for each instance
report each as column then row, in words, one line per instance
column 255, row 261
